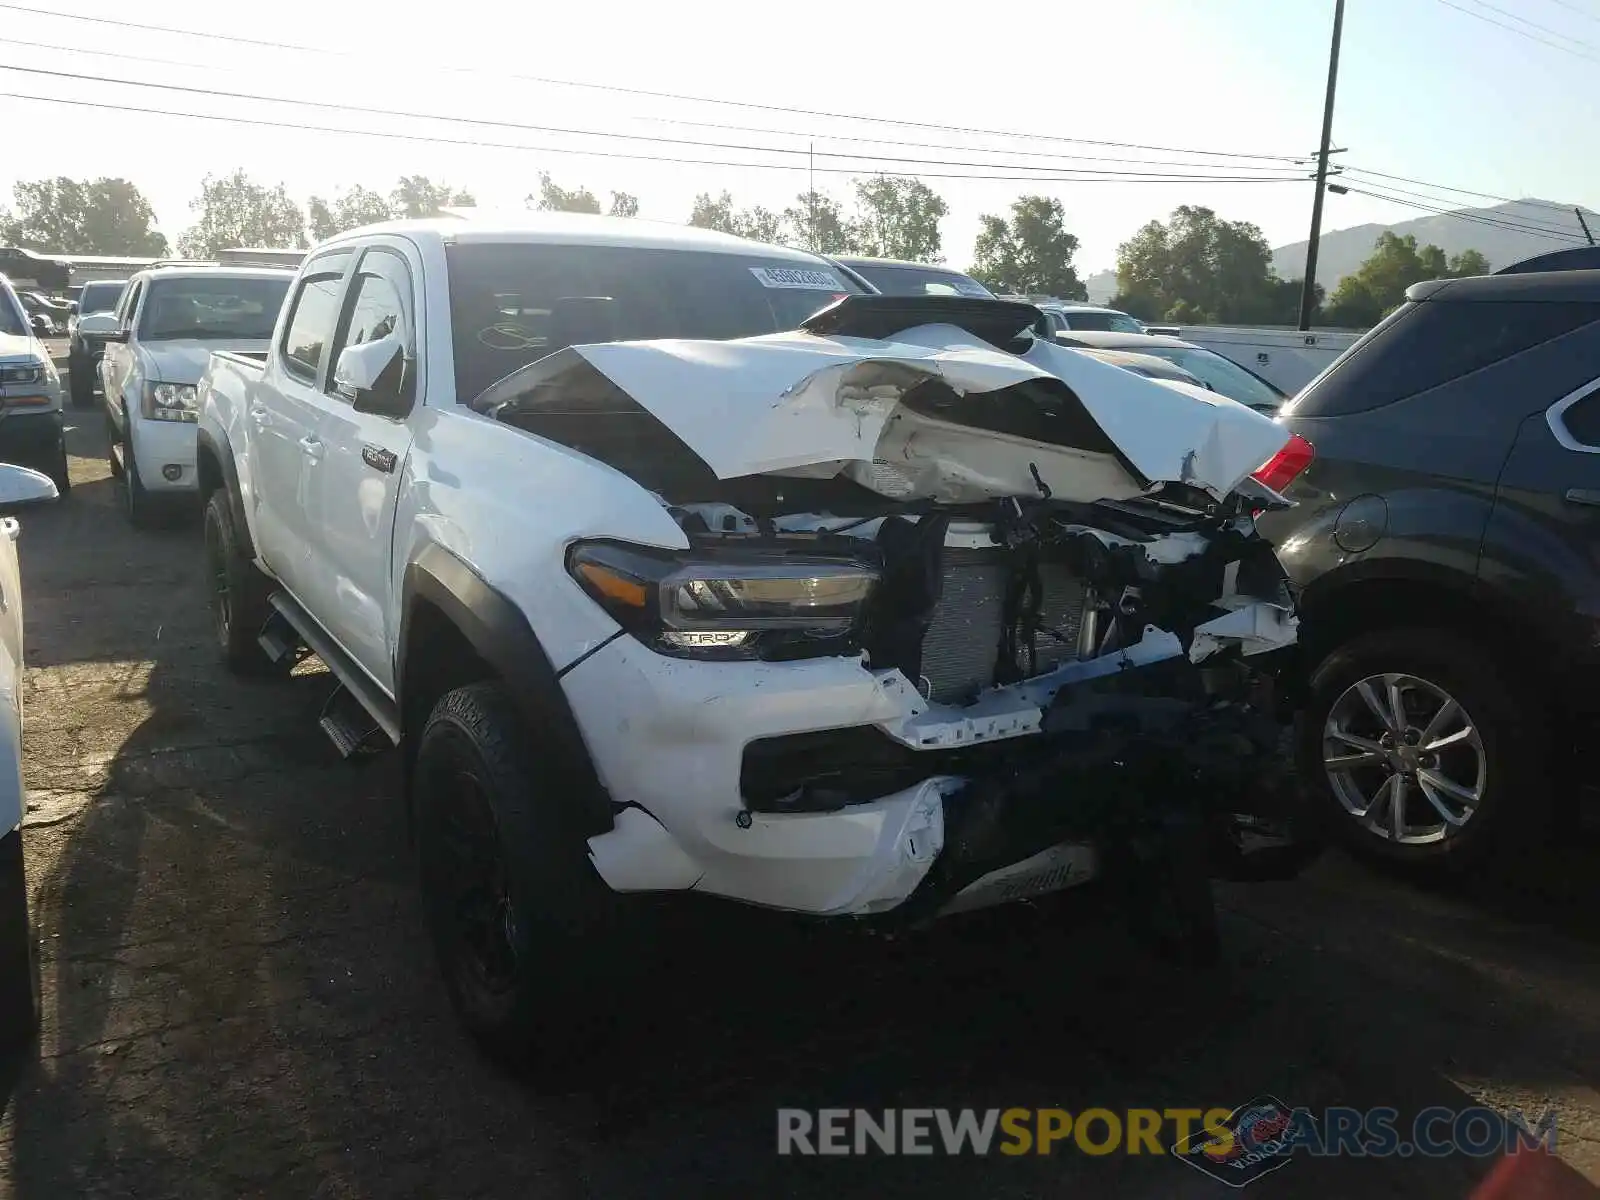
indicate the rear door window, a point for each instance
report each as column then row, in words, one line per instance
column 513, row 304
column 1421, row 346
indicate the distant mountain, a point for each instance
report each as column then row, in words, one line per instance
column 1344, row 250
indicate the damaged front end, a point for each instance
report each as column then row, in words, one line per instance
column 1082, row 654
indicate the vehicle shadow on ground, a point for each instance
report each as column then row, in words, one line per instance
column 239, row 999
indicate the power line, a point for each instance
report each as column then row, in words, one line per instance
column 724, row 127
column 652, row 95
column 1528, row 222
column 1461, row 216
column 1571, row 7
column 614, row 154
column 1520, row 31
column 1504, row 12
column 1444, row 187
column 494, row 123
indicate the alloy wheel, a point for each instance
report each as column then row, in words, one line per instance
column 1404, row 759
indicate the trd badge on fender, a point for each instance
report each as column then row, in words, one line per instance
column 378, row 458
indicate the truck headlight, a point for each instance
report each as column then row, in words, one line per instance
column 741, row 603
column 171, row 402
column 23, row 373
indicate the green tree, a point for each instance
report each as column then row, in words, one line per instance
column 817, row 222
column 418, row 196
column 553, row 197
column 1031, row 253
column 897, row 218
column 759, row 224
column 1216, row 270
column 348, row 210
column 234, row 210
column 81, row 216
column 1380, row 283
column 624, row 204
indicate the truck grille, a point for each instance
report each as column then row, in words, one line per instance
column 958, row 653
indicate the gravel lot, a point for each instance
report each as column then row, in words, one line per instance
column 238, row 1001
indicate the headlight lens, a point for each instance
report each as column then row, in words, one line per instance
column 735, row 604
column 23, row 373
column 171, row 402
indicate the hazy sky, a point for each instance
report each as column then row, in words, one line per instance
column 1425, row 91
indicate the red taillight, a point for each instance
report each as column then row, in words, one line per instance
column 1284, row 467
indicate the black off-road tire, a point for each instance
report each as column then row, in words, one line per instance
column 238, row 596
column 1516, row 802
column 531, row 985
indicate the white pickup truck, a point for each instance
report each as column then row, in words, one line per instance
column 902, row 612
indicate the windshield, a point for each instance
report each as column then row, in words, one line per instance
column 238, row 307
column 1102, row 322
column 12, row 320
column 918, row 281
column 512, row 304
column 99, row 297
column 1222, row 375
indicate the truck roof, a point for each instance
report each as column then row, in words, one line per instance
column 1547, row 286
column 209, row 270
column 468, row 226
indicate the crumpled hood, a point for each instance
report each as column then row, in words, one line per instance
column 184, row 360
column 794, row 403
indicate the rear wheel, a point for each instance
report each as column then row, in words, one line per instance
column 239, row 594
column 1423, row 751
column 518, row 916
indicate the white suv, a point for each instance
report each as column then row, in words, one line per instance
column 168, row 322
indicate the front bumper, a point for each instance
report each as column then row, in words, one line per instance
column 822, row 787
column 162, row 447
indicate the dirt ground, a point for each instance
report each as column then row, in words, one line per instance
column 238, row 1000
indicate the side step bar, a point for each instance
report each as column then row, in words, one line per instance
column 279, row 642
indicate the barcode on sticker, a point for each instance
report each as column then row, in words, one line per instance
column 798, row 277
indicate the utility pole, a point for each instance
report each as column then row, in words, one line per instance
column 1308, row 291
column 811, row 197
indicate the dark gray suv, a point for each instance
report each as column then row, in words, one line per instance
column 1446, row 543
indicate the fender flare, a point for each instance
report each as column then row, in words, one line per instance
column 501, row 636
column 217, row 445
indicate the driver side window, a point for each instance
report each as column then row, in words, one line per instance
column 376, row 308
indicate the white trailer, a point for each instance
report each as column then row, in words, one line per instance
column 1287, row 358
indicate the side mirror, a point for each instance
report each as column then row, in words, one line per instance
column 43, row 326
column 372, row 377
column 21, row 485
column 72, row 306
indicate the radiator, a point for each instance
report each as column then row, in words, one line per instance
column 958, row 654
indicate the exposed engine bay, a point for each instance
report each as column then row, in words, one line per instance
column 1089, row 639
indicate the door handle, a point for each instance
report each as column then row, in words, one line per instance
column 1589, row 496
column 260, row 415
column 312, row 447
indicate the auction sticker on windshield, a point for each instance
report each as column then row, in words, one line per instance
column 1243, row 1148
column 799, row 277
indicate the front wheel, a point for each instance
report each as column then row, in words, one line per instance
column 1424, row 752
column 517, row 913
column 55, row 466
column 137, row 504
column 80, row 382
